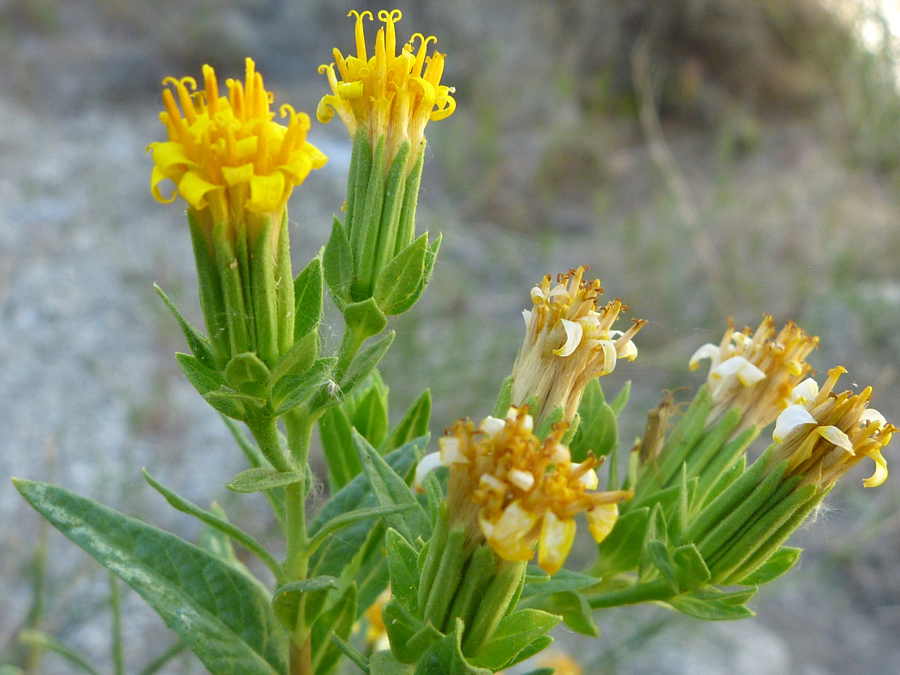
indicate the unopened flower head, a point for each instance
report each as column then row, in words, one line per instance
column 755, row 370
column 390, row 92
column 227, row 157
column 512, row 490
column 824, row 434
column 568, row 342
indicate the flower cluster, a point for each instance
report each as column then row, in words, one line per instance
column 824, row 434
column 755, row 371
column 568, row 342
column 512, row 490
column 226, row 153
column 388, row 93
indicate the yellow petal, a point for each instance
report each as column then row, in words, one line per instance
column 881, row 472
column 556, row 539
column 837, row 437
column 601, row 520
column 574, row 333
column 195, row 189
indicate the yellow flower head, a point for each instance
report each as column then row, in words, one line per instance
column 568, row 342
column 225, row 153
column 512, row 490
column 389, row 92
column 755, row 371
column 824, row 434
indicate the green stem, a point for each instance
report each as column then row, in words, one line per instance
column 299, row 424
column 657, row 589
column 265, row 432
column 118, row 655
column 350, row 345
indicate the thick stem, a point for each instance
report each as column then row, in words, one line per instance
column 299, row 424
column 301, row 658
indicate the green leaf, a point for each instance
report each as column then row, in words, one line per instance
column 256, row 459
column 233, row 634
column 308, row 293
column 207, row 380
column 513, row 634
column 7, row 669
column 246, row 368
column 537, row 584
column 446, row 658
column 390, row 489
column 709, row 610
column 573, row 607
column 196, row 340
column 292, row 390
column 690, row 569
column 778, row 563
column 414, row 422
column 618, row 405
column 337, row 445
column 335, row 554
column 365, row 318
column 298, row 359
column 41, row 640
column 503, row 398
column 384, row 663
column 336, row 621
column 370, row 418
column 430, row 258
column 541, row 671
column 401, row 277
column 263, row 478
column 401, row 558
column 337, row 265
column 346, row 519
column 364, row 363
column 352, row 653
column 221, row 524
column 598, row 431
column 410, row 637
column 286, row 601
column 621, row 550
column 369, row 569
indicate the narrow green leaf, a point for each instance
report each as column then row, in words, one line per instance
column 244, row 368
column 364, row 363
column 430, row 258
column 370, row 418
column 690, row 569
column 346, row 519
column 263, row 296
column 205, row 381
column 401, row 558
column 539, row 671
column 364, row 236
column 308, row 298
column 298, row 359
column 198, row 342
column 337, row 444
column 285, row 311
column 263, row 478
column 212, row 301
column 370, row 569
column 337, row 265
column 480, row 570
column 598, row 431
column 621, row 550
column 390, row 489
column 352, row 653
column 401, row 277
column 41, row 640
column 358, row 177
column 410, row 637
column 446, row 657
column 291, row 391
column 573, row 607
column 365, row 318
column 335, row 622
column 513, row 634
column 619, row 403
column 287, row 599
column 407, row 225
column 256, row 459
column 778, row 563
column 709, row 610
column 235, row 634
column 503, row 398
column 241, row 537
column 562, row 581
column 390, row 212
column 414, row 422
column 384, row 663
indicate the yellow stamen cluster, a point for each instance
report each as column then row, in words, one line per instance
column 823, row 434
column 512, row 490
column 226, row 153
column 393, row 93
column 568, row 342
column 755, row 371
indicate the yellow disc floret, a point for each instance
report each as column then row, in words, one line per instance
column 513, row 491
column 388, row 92
column 226, row 153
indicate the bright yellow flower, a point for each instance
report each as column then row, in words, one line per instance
column 755, row 371
column 225, row 153
column 562, row 664
column 824, row 434
column 568, row 342
column 389, row 92
column 514, row 491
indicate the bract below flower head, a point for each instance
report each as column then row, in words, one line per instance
column 513, row 491
column 390, row 92
column 755, row 370
column 827, row 434
column 225, row 154
column 568, row 342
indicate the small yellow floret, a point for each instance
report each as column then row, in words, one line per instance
column 226, row 152
column 389, row 92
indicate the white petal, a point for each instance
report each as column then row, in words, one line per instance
column 590, row 479
column 750, row 375
column 513, row 414
column 574, row 333
column 791, row 417
column 524, row 480
column 729, row 368
column 559, row 289
column 628, row 352
column 429, row 462
column 805, row 391
column 707, row 351
column 609, row 356
column 526, row 313
column 872, row 415
column 492, row 425
column 537, row 294
column 836, row 436
column 451, row 452
column 492, row 483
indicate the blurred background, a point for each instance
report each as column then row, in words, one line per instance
column 707, row 158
